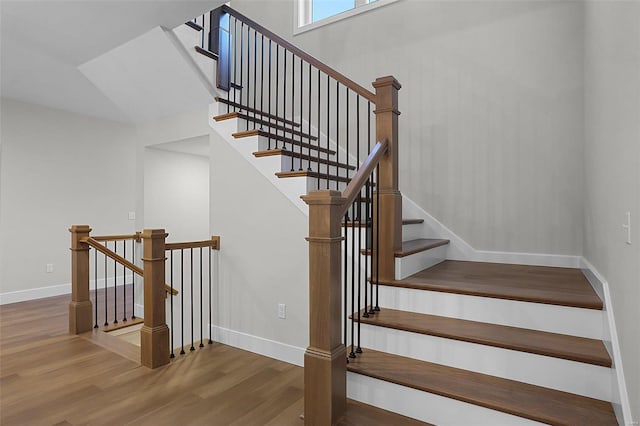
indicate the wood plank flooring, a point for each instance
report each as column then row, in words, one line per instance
column 540, row 284
column 48, row 377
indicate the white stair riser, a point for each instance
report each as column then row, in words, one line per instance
column 535, row 316
column 409, row 265
column 412, row 231
column 549, row 372
column 426, row 406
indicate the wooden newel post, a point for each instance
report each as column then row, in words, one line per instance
column 80, row 308
column 154, row 335
column 325, row 361
column 390, row 198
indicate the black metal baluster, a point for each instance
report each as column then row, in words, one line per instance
column 173, row 355
column 201, row 296
column 133, row 280
column 210, row 297
column 124, row 282
column 182, row 352
column 359, row 255
column 115, row 285
column 202, row 33
column 309, row 124
column 255, row 74
column 337, row 132
column 293, row 106
column 269, row 103
column 367, row 245
column 228, row 61
column 277, row 86
column 344, row 281
column 377, row 192
column 106, row 321
column 261, row 80
column 247, row 112
column 284, row 99
column 352, row 354
column 301, row 114
column 192, row 339
column 241, row 62
column 95, row 285
column 235, row 62
column 318, row 127
column 328, row 128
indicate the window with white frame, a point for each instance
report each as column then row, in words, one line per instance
column 324, row 11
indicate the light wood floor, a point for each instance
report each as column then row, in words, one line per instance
column 48, row 377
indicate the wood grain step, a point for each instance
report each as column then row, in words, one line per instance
column 358, row 224
column 538, row 284
column 359, row 414
column 193, row 25
column 281, row 138
column 312, row 174
column 254, row 110
column 306, row 157
column 415, row 246
column 269, row 125
column 573, row 348
column 206, row 53
column 517, row 398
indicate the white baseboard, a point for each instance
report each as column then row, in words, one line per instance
column 56, row 290
column 270, row 348
column 459, row 249
column 620, row 402
column 34, row 293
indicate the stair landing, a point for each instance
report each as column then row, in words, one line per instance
column 540, row 284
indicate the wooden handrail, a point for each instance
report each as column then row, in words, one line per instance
column 113, row 255
column 95, row 243
column 357, row 182
column 214, row 243
column 137, row 236
column 367, row 94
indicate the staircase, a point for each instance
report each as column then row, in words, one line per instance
column 442, row 341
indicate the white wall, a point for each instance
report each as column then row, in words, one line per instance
column 612, row 167
column 58, row 169
column 263, row 256
column 176, row 194
column 491, row 126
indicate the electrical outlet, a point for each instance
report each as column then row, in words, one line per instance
column 132, row 215
column 282, row 310
column 49, row 268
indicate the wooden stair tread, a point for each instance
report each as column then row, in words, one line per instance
column 415, row 246
column 273, row 126
column 359, row 414
column 357, row 223
column 206, row 53
column 517, row 398
column 278, row 137
column 573, row 348
column 307, row 173
column 538, row 284
column 314, row 159
column 250, row 109
column 193, row 25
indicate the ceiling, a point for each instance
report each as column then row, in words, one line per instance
column 42, row 43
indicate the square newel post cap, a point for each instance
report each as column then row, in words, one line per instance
column 325, row 196
column 154, row 233
column 387, row 81
column 79, row 229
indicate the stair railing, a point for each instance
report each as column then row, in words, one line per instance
column 155, row 342
column 325, row 369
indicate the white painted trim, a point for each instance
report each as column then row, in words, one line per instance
column 54, row 290
column 34, row 293
column 259, row 345
column 459, row 249
column 622, row 407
